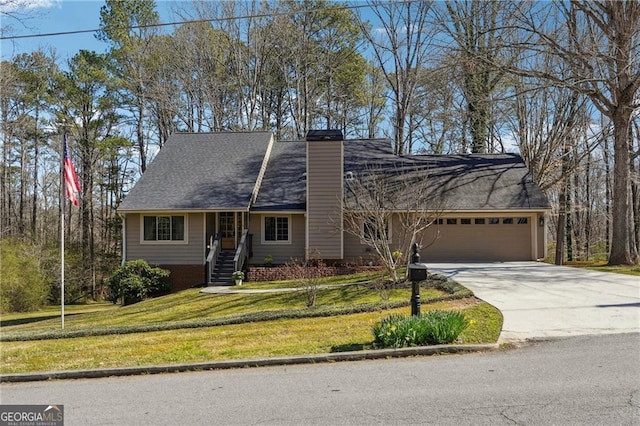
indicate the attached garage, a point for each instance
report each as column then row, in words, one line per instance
column 487, row 237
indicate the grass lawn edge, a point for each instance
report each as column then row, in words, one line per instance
column 370, row 354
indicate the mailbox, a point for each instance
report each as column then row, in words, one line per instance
column 417, row 272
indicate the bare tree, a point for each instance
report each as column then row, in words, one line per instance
column 400, row 47
column 480, row 35
column 375, row 100
column 435, row 114
column 388, row 206
column 596, row 44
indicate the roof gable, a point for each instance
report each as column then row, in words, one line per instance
column 201, row 171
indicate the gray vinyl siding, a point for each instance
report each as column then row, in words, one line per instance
column 324, row 198
column 191, row 253
column 281, row 252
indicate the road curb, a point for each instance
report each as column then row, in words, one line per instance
column 264, row 362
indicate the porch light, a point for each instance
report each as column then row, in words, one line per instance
column 541, row 221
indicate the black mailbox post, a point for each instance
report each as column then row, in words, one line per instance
column 417, row 274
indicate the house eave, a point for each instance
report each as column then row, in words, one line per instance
column 278, row 211
column 178, row 210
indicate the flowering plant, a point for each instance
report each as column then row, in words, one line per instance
column 238, row 275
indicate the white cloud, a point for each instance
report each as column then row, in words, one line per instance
column 24, row 6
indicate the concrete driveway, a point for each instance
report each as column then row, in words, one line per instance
column 541, row 301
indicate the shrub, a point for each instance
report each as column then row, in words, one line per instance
column 24, row 285
column 431, row 328
column 307, row 277
column 135, row 281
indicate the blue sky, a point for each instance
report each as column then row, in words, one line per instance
column 51, row 16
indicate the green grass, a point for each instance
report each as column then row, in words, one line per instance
column 627, row 270
column 193, row 305
column 264, row 338
column 603, row 267
column 485, row 324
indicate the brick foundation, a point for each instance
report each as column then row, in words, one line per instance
column 185, row 276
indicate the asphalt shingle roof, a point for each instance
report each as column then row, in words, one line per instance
column 482, row 182
column 201, row 171
column 454, row 182
column 219, row 170
column 284, row 186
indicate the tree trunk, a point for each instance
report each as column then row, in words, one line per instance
column 140, row 137
column 23, row 187
column 623, row 249
column 587, row 225
column 607, row 195
column 568, row 218
column 635, row 188
column 34, row 200
column 562, row 224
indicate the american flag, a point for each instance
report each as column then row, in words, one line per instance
column 71, row 183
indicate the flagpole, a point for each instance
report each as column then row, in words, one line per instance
column 62, row 269
column 63, row 200
column 71, row 186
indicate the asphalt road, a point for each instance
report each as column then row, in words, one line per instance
column 575, row 381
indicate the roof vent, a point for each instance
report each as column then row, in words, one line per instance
column 324, row 135
column 349, row 176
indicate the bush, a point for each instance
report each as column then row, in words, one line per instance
column 307, row 276
column 136, row 280
column 24, row 286
column 431, row 328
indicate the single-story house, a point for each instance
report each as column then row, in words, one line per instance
column 211, row 203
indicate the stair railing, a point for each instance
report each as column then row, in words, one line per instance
column 215, row 245
column 241, row 252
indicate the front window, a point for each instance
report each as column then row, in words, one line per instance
column 164, row 228
column 372, row 230
column 276, row 229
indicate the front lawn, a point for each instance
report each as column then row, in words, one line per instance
column 298, row 331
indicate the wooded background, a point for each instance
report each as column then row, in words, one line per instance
column 556, row 82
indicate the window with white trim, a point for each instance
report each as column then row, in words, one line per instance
column 164, row 228
column 276, row 229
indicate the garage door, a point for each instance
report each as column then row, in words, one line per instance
column 478, row 238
